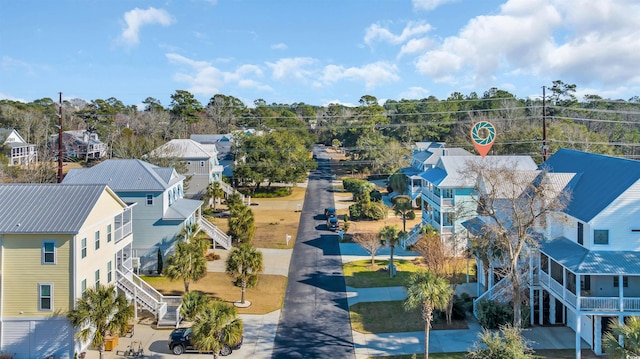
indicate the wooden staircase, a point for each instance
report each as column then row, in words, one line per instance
column 215, row 233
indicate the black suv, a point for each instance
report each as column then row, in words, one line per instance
column 180, row 341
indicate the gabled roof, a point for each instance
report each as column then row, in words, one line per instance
column 583, row 261
column 47, row 208
column 212, row 138
column 450, row 170
column 6, row 132
column 182, row 148
column 126, row 175
column 600, row 180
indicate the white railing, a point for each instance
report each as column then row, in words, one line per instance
column 600, row 303
column 123, row 231
column 631, row 304
column 411, row 237
column 215, row 233
column 557, row 287
column 571, row 298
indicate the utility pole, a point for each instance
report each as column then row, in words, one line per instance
column 545, row 147
column 60, row 140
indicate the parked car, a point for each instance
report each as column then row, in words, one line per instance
column 333, row 224
column 330, row 212
column 180, row 342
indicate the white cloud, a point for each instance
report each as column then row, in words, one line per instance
column 414, row 92
column 294, row 67
column 372, row 74
column 429, row 4
column 566, row 39
column 205, row 79
column 279, row 46
column 415, row 46
column 378, row 32
column 4, row 96
column 137, row 18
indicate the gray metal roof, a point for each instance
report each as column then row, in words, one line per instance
column 126, row 175
column 181, row 209
column 46, row 208
column 183, row 148
column 580, row 260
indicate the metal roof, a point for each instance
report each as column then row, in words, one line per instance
column 46, row 208
column 183, row 148
column 434, row 175
column 601, row 179
column 125, row 175
column 580, row 260
column 455, row 168
column 181, row 209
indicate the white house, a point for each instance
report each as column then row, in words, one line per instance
column 18, row 151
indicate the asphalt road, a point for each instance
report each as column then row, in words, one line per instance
column 314, row 322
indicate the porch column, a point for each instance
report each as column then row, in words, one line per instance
column 552, row 309
column 597, row 335
column 578, row 336
column 532, row 268
column 620, row 294
column 540, row 306
column 621, row 322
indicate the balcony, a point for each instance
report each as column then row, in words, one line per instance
column 437, row 200
column 587, row 302
column 123, row 225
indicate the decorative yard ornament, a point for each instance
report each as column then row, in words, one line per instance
column 483, row 134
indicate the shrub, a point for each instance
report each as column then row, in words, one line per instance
column 355, row 211
column 375, row 196
column 355, row 185
column 462, row 305
column 492, row 315
column 374, row 210
column 411, row 215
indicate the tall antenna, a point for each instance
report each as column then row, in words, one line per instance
column 60, row 140
column 545, row 147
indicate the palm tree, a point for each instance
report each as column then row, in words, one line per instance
column 98, row 313
column 402, row 208
column 187, row 263
column 241, row 223
column 428, row 292
column 243, row 265
column 630, row 334
column 217, row 326
column 214, row 191
column 390, row 236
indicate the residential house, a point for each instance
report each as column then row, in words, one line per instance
column 56, row 241
column 585, row 270
column 425, row 156
column 223, row 147
column 162, row 212
column 446, row 194
column 81, row 144
column 17, row 150
column 201, row 163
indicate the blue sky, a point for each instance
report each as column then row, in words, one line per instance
column 315, row 51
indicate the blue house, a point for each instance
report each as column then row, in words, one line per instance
column 161, row 213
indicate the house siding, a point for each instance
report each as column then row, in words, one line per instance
column 615, row 218
column 23, row 270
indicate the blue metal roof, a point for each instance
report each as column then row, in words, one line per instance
column 583, row 261
column 600, row 180
column 434, row 175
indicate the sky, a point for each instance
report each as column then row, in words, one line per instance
column 315, row 51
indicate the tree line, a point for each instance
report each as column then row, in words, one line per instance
column 376, row 138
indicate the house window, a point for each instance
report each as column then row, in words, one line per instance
column 585, row 282
column 48, row 252
column 149, row 200
column 97, row 240
column 109, row 270
column 580, row 233
column 83, row 246
column 600, row 236
column 616, row 281
column 97, row 278
column 108, row 233
column 45, row 295
column 83, row 286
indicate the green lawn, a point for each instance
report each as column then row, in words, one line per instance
column 540, row 354
column 360, row 274
column 375, row 317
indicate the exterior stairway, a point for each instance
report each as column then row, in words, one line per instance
column 215, row 233
column 165, row 308
column 412, row 236
column 501, row 292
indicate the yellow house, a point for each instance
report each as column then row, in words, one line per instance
column 56, row 241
